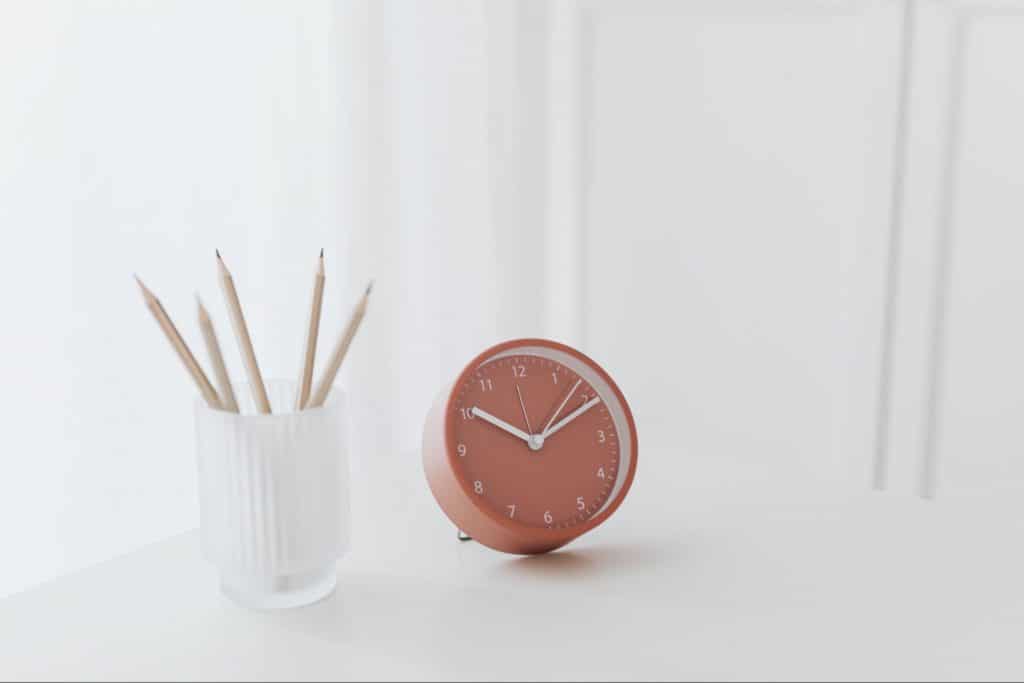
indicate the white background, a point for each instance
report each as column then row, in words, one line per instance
column 695, row 193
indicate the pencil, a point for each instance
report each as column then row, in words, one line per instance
column 331, row 371
column 312, row 331
column 252, row 368
column 180, row 347
column 220, row 372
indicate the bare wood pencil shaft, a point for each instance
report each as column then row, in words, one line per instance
column 312, row 332
column 252, row 368
column 340, row 350
column 220, row 371
column 180, row 347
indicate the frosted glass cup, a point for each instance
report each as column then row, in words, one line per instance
column 273, row 497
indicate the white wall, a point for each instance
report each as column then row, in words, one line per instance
column 981, row 444
column 697, row 193
column 735, row 195
column 136, row 137
column 956, row 403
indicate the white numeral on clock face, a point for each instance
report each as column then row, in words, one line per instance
column 486, row 385
column 600, row 473
column 548, row 518
column 580, row 505
column 461, row 450
column 478, row 486
column 519, row 371
column 600, row 436
column 467, row 414
column 511, row 511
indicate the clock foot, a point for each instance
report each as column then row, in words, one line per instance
column 463, row 536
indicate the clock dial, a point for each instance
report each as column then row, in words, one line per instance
column 558, row 465
column 532, row 446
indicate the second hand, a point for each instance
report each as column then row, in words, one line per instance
column 562, row 405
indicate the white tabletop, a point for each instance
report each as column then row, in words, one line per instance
column 714, row 576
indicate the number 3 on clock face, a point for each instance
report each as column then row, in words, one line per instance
column 532, row 446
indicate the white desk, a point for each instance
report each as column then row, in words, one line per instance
column 718, row 576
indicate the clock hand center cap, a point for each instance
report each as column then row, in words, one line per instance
column 536, row 442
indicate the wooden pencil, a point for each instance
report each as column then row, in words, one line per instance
column 252, row 368
column 312, row 332
column 180, row 347
column 220, row 371
column 331, row 371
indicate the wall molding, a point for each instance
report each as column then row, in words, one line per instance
column 572, row 51
column 965, row 17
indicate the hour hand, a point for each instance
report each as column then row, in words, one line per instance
column 500, row 424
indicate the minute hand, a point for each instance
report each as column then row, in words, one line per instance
column 572, row 416
column 501, row 424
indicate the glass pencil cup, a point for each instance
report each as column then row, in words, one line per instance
column 274, row 497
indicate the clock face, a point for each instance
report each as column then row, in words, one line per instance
column 540, row 438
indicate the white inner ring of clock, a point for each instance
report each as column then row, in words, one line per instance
column 608, row 397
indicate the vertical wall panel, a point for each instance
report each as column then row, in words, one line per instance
column 735, row 224
column 979, row 440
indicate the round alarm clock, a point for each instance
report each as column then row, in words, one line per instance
column 531, row 447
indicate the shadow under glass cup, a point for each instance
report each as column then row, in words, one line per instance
column 273, row 496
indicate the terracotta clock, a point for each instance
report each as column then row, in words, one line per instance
column 531, row 447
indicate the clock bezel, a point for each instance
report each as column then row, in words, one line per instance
column 536, row 536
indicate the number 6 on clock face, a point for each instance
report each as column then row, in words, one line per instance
column 532, row 446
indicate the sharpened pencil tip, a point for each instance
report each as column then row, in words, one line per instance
column 321, row 252
column 222, row 267
column 148, row 296
column 369, row 288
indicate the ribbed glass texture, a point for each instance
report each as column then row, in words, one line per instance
column 274, row 500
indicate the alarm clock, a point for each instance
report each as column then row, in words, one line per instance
column 532, row 446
